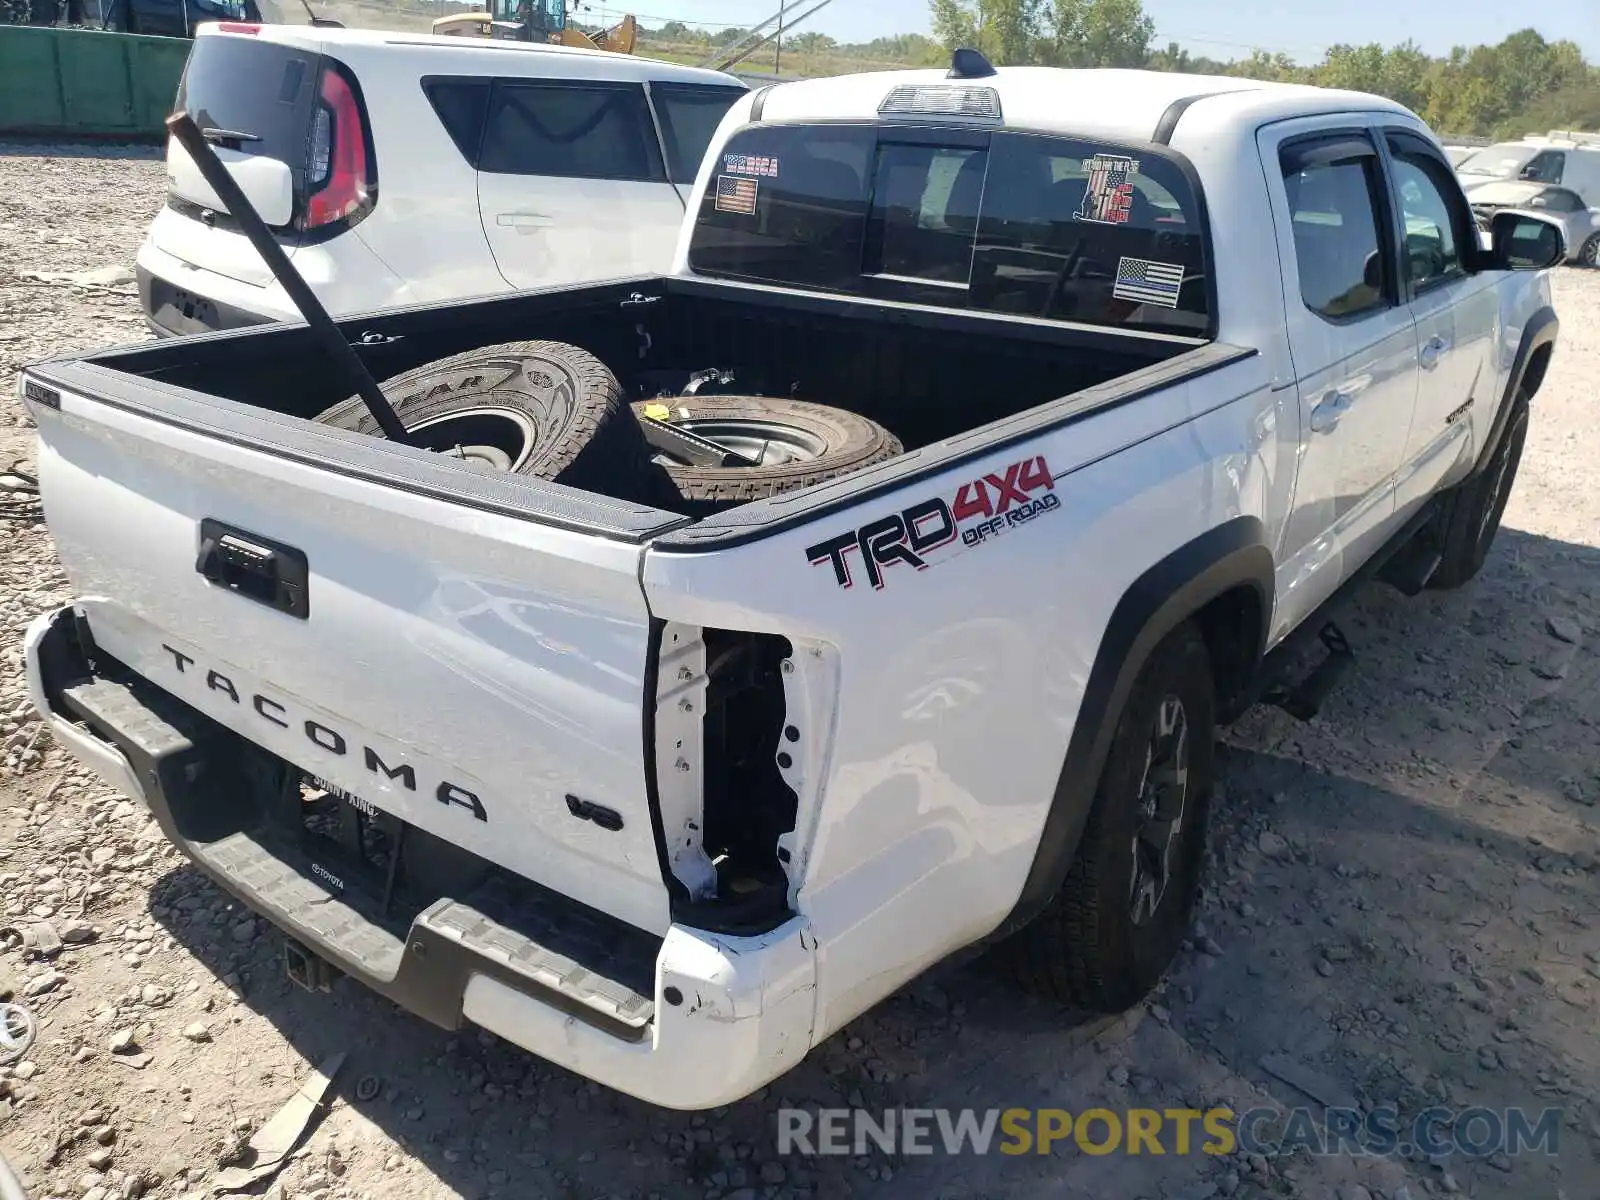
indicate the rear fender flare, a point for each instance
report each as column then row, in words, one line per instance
column 1540, row 331
column 1177, row 587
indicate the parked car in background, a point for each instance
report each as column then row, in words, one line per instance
column 1579, row 222
column 398, row 168
column 168, row 18
column 1572, row 161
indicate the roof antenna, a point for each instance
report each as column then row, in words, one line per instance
column 967, row 63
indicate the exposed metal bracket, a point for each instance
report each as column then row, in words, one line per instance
column 680, row 757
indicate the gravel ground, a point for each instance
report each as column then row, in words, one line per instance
column 1402, row 905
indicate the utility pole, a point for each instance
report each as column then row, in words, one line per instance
column 777, row 54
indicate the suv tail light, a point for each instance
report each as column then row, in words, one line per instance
column 341, row 183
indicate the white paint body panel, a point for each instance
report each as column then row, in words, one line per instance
column 949, row 733
column 545, row 231
column 933, row 714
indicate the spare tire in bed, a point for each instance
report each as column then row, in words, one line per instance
column 795, row 443
column 545, row 409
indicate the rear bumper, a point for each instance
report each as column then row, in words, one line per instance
column 172, row 311
column 714, row 1018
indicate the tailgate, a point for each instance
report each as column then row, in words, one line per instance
column 450, row 661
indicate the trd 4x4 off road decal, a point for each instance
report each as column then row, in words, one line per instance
column 980, row 510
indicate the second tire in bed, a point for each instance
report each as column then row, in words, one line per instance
column 783, row 445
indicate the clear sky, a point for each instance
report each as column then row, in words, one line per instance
column 1217, row 28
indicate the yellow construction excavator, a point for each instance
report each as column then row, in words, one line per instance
column 537, row 21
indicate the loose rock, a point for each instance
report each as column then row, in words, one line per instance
column 41, row 985
column 1563, row 629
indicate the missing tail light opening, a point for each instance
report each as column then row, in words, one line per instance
column 341, row 168
column 721, row 729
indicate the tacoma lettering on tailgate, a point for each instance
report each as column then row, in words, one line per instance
column 322, row 736
column 979, row 511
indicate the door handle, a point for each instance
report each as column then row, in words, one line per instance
column 1325, row 416
column 522, row 220
column 1431, row 350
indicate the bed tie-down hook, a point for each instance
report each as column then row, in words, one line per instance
column 639, row 300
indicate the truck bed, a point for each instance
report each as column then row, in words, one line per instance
column 928, row 375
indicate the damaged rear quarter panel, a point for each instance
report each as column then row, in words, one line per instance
column 960, row 660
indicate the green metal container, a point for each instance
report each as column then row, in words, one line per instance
column 86, row 83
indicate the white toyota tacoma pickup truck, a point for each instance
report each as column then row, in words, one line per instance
column 669, row 794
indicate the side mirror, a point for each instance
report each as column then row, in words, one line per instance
column 1521, row 241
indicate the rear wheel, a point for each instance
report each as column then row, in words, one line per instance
column 1590, row 254
column 791, row 444
column 1472, row 510
column 1126, row 904
column 544, row 409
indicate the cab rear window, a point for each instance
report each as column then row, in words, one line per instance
column 1031, row 224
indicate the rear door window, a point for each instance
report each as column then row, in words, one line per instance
column 574, row 131
column 1031, row 224
column 689, row 115
column 256, row 88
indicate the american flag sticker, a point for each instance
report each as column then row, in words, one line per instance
column 736, row 195
column 1109, row 197
column 1147, row 282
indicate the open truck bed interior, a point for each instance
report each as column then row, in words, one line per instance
column 930, row 376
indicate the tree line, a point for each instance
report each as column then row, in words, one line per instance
column 1521, row 85
column 1524, row 84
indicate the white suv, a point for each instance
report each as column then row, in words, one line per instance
column 404, row 169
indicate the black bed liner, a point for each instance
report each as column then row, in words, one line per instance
column 951, row 384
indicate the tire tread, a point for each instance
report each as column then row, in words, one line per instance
column 600, row 448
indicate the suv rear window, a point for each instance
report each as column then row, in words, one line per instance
column 1032, row 224
column 253, row 87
